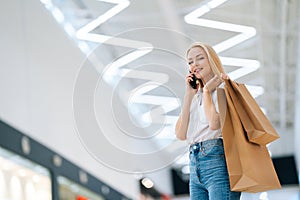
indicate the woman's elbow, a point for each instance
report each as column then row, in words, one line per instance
column 214, row 126
column 180, row 136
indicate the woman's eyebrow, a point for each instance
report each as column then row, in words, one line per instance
column 196, row 56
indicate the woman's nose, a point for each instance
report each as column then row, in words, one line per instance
column 193, row 66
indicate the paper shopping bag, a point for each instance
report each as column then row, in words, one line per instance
column 259, row 129
column 249, row 165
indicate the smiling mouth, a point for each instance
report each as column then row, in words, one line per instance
column 198, row 70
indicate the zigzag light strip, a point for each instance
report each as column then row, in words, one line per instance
column 84, row 33
column 155, row 80
column 246, row 65
column 165, row 104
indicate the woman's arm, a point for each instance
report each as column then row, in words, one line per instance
column 184, row 118
column 210, row 110
column 209, row 106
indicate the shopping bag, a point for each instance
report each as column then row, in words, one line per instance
column 259, row 129
column 249, row 165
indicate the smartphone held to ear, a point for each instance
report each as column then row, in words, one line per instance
column 194, row 82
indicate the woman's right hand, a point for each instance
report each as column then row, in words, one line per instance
column 189, row 90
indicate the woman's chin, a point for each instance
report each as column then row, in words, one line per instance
column 198, row 76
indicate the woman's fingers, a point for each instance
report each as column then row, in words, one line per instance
column 224, row 76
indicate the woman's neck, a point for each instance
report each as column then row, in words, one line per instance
column 207, row 78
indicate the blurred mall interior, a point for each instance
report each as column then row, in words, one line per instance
column 91, row 91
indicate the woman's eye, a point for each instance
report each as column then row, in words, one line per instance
column 191, row 62
column 200, row 58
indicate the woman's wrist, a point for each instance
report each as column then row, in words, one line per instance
column 205, row 90
column 189, row 97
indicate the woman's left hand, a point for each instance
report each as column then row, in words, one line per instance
column 213, row 83
column 224, row 76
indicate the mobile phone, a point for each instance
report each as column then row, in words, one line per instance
column 194, row 82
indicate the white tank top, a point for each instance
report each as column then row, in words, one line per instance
column 198, row 128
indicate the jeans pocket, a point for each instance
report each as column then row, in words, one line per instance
column 214, row 151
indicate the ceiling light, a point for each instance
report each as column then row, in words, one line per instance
column 113, row 70
column 263, row 196
column 185, row 169
column 83, row 33
column 58, row 15
column 246, row 32
column 246, row 66
column 147, row 183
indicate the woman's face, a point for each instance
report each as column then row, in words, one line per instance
column 198, row 63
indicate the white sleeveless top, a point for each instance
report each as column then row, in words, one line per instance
column 198, row 128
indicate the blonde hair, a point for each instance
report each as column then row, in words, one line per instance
column 213, row 58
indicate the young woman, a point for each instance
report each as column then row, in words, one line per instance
column 199, row 124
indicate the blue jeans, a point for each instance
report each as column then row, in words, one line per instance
column 208, row 172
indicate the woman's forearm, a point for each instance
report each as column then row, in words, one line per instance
column 210, row 111
column 183, row 120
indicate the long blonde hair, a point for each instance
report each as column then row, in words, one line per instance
column 213, row 58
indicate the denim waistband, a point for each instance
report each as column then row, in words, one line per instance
column 206, row 143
